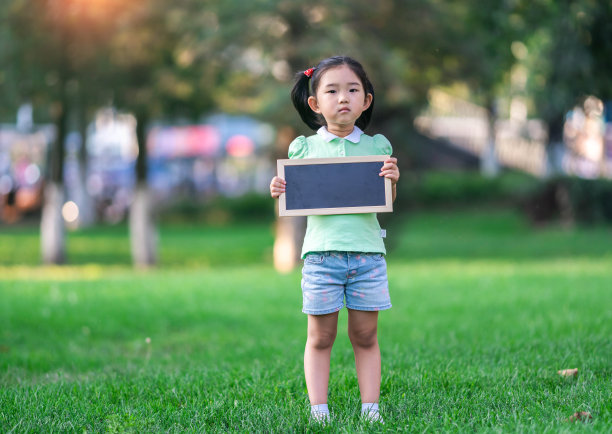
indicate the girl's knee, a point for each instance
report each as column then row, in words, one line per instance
column 362, row 328
column 321, row 339
column 322, row 331
column 363, row 337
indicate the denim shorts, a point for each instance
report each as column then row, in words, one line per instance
column 328, row 278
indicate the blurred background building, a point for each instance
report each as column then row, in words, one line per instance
column 223, row 156
column 231, row 155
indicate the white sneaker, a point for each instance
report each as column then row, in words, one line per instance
column 373, row 417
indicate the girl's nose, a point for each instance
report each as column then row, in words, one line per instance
column 342, row 97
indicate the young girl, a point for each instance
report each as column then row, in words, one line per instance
column 343, row 254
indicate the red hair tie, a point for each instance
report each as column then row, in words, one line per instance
column 308, row 72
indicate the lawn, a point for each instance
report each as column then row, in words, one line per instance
column 486, row 311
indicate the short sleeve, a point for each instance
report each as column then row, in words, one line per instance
column 298, row 148
column 382, row 145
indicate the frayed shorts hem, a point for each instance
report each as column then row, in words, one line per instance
column 322, row 312
column 368, row 308
column 361, row 308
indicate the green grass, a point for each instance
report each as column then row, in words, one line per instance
column 486, row 310
column 179, row 245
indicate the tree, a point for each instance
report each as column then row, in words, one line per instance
column 73, row 56
column 449, row 43
column 569, row 47
column 159, row 70
column 484, row 59
column 53, row 49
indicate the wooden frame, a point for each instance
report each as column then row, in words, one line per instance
column 383, row 192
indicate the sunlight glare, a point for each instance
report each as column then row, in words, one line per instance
column 70, row 212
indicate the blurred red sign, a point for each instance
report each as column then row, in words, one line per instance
column 240, row 146
column 190, row 141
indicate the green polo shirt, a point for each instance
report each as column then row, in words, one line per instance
column 344, row 232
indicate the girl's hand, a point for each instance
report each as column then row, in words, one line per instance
column 390, row 170
column 277, row 187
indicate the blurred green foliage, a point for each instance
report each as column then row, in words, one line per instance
column 443, row 189
column 182, row 59
column 571, row 200
column 221, row 210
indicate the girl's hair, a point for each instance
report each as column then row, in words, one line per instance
column 306, row 85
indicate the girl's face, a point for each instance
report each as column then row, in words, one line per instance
column 341, row 99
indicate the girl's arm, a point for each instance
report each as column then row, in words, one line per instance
column 277, row 187
column 391, row 171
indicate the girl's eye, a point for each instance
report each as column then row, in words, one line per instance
column 354, row 90
column 331, row 91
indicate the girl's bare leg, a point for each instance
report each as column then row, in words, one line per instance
column 362, row 331
column 321, row 335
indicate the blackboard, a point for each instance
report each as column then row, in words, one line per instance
column 342, row 185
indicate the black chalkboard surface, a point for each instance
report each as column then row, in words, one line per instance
column 342, row 185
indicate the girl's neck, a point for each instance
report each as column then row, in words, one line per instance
column 340, row 130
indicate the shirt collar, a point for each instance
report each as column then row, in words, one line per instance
column 354, row 137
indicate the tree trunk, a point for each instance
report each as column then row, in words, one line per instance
column 288, row 242
column 83, row 199
column 489, row 165
column 555, row 147
column 52, row 231
column 143, row 235
column 289, row 230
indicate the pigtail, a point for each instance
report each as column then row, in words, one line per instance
column 299, row 97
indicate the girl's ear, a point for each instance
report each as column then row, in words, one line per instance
column 367, row 101
column 313, row 104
